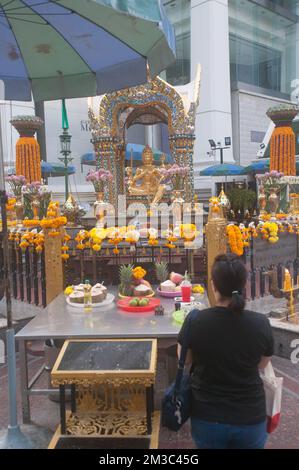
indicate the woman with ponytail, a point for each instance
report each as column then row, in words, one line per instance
column 228, row 346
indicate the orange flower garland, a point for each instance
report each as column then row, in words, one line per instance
column 235, row 239
column 283, row 151
column 32, row 239
column 28, row 159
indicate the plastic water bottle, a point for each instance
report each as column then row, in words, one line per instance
column 87, row 296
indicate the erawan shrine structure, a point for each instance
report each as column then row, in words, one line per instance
column 120, row 275
column 149, row 104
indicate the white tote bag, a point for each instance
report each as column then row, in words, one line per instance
column 273, row 392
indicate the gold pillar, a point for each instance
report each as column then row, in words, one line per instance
column 216, row 244
column 53, row 267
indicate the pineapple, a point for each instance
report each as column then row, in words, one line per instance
column 126, row 277
column 162, row 271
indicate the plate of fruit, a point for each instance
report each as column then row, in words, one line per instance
column 133, row 284
column 138, row 304
column 169, row 284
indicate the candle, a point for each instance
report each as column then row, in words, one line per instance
column 287, row 280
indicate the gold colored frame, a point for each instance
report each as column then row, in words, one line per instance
column 118, row 378
column 108, row 130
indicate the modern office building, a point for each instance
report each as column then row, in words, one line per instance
column 249, row 54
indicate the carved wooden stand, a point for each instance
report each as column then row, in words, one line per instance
column 106, row 404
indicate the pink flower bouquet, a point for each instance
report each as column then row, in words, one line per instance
column 99, row 178
column 175, row 175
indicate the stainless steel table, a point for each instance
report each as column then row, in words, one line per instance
column 61, row 321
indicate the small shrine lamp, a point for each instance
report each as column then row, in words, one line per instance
column 65, row 143
column 224, row 201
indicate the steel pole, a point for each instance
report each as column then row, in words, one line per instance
column 66, row 175
column 14, row 439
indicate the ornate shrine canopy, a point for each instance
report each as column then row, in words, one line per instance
column 152, row 103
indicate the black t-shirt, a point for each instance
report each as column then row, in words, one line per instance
column 226, row 349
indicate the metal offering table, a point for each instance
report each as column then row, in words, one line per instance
column 60, row 321
column 111, row 387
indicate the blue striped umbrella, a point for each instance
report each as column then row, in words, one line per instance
column 227, row 169
column 136, row 149
column 260, row 166
column 74, row 48
column 55, row 169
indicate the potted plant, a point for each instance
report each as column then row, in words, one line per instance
column 242, row 200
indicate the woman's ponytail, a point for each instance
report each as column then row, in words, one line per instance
column 229, row 276
column 237, row 303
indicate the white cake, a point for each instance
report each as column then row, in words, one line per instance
column 168, row 286
column 142, row 290
column 79, row 288
column 102, row 288
column 98, row 294
column 77, row 297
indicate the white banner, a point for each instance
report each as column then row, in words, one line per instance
column 290, row 180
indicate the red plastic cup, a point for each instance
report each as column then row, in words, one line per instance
column 186, row 293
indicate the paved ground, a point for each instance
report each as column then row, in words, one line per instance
column 45, row 413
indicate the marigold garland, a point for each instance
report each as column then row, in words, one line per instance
column 28, row 159
column 269, row 232
column 283, row 151
column 235, row 239
column 30, row 239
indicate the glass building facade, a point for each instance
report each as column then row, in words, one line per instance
column 262, row 45
column 178, row 11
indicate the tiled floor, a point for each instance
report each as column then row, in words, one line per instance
column 46, row 413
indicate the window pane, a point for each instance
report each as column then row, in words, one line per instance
column 262, row 47
column 178, row 12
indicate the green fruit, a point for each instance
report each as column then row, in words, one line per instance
column 134, row 303
column 143, row 302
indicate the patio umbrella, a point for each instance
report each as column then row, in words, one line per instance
column 137, row 149
column 226, row 169
column 70, row 49
column 76, row 48
column 52, row 170
column 260, row 166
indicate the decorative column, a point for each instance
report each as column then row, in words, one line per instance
column 210, row 49
column 105, row 151
column 27, row 148
column 283, row 140
column 53, row 267
column 182, row 147
column 216, row 243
